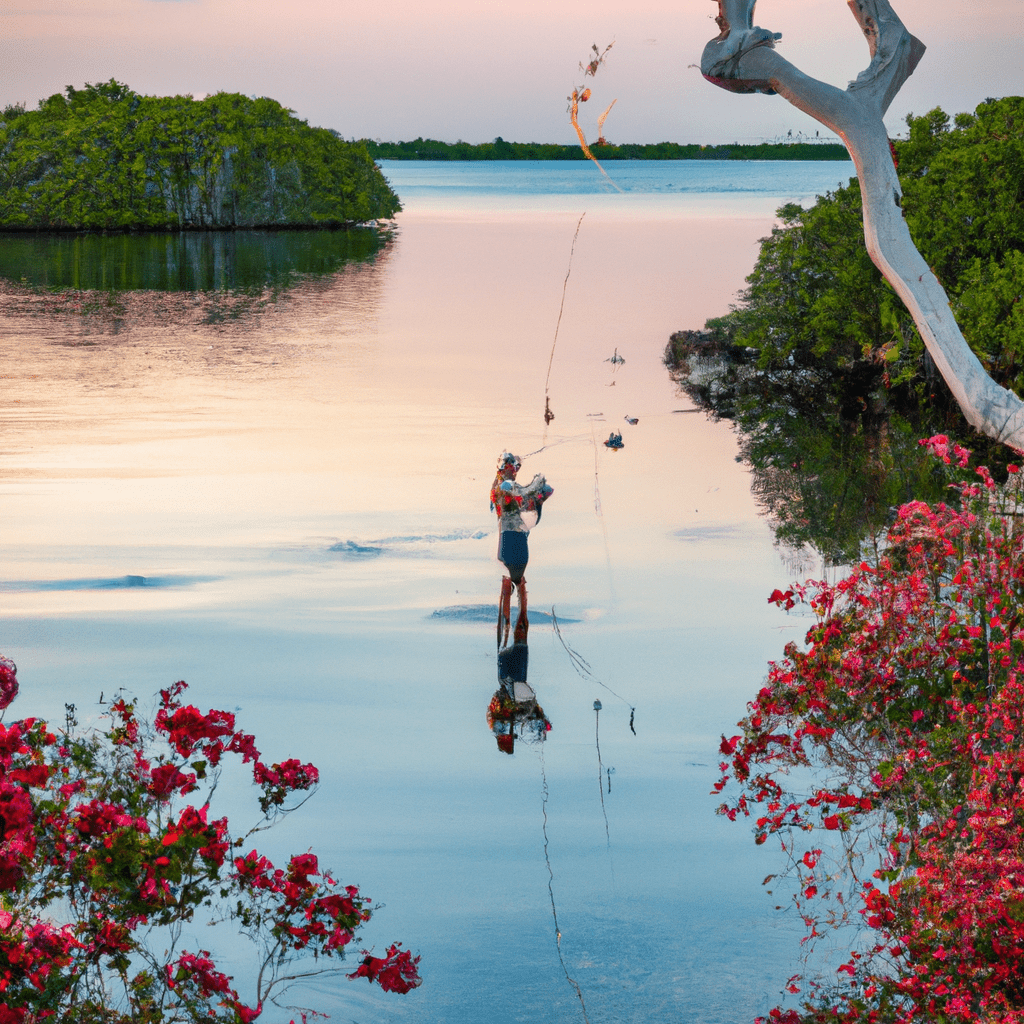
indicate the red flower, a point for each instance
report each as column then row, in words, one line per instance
column 396, row 972
column 8, row 686
column 168, row 779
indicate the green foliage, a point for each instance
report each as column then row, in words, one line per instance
column 964, row 185
column 815, row 298
column 820, row 364
column 105, row 158
column 499, row 149
column 990, row 312
column 814, row 294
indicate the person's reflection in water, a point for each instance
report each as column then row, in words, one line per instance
column 514, row 709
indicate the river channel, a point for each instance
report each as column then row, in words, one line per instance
column 277, row 490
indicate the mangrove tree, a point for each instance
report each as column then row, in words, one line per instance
column 105, row 158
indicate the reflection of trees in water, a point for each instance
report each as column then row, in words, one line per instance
column 829, row 456
column 832, row 487
column 189, row 261
column 129, row 336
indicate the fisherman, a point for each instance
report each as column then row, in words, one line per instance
column 510, row 500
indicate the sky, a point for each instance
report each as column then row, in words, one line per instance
column 477, row 69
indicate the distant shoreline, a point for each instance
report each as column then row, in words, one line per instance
column 499, row 149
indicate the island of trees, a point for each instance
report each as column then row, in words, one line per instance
column 105, row 158
column 499, row 149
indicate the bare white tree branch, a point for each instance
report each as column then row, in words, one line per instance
column 743, row 59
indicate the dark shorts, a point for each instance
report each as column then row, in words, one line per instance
column 513, row 552
column 513, row 662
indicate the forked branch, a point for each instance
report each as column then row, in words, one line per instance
column 743, row 58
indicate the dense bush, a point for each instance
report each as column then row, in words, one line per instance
column 887, row 756
column 821, row 366
column 815, row 299
column 107, row 871
column 104, row 157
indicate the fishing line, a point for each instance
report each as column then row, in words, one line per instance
column 600, row 785
column 597, row 485
column 584, row 670
column 555, row 444
column 548, row 414
column 551, row 891
column 599, row 418
column 600, row 516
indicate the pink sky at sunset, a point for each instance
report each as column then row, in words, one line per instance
column 476, row 69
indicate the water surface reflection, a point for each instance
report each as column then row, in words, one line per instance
column 183, row 261
column 830, row 458
column 308, row 478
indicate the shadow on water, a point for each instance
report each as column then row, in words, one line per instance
column 406, row 544
column 130, row 582
column 484, row 613
column 186, row 261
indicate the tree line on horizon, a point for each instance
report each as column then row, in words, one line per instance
column 499, row 149
column 106, row 158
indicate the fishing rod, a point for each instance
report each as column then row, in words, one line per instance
column 548, row 414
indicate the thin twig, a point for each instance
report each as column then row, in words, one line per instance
column 600, row 785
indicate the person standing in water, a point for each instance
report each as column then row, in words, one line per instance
column 509, row 500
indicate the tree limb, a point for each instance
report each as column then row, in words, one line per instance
column 743, row 59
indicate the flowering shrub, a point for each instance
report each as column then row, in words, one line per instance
column 8, row 682
column 897, row 736
column 103, row 864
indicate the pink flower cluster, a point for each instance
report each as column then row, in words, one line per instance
column 308, row 911
column 908, row 698
column 8, row 682
column 280, row 780
column 95, row 822
column 396, row 971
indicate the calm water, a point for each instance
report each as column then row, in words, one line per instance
column 271, row 495
column 661, row 187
